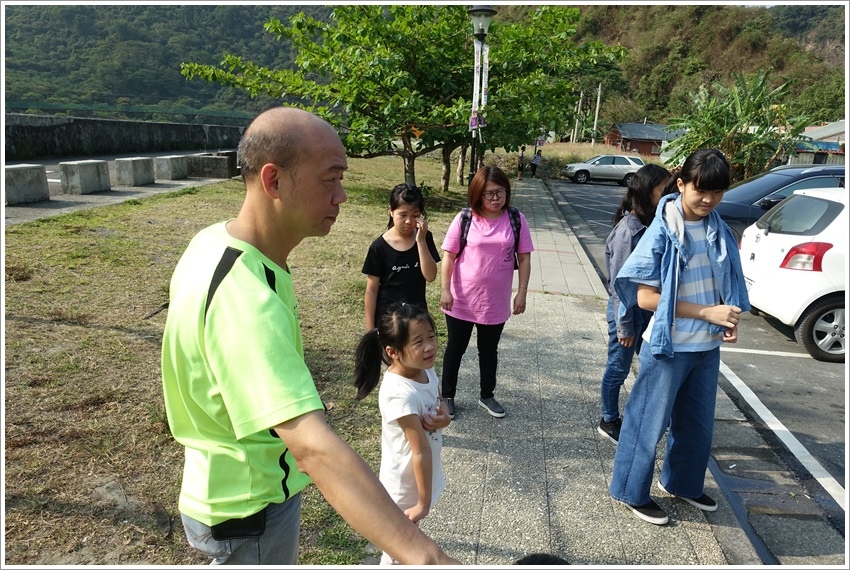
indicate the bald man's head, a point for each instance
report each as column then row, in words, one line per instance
column 281, row 136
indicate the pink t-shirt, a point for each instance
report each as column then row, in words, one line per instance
column 483, row 274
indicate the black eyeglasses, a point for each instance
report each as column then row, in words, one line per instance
column 493, row 195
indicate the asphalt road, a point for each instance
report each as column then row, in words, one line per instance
column 778, row 386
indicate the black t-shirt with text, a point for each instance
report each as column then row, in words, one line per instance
column 399, row 272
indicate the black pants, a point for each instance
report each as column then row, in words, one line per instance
column 533, row 169
column 459, row 333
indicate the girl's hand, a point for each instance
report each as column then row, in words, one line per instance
column 446, row 300
column 627, row 342
column 417, row 513
column 422, row 227
column 519, row 301
column 438, row 420
column 724, row 315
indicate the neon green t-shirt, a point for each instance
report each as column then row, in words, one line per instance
column 232, row 369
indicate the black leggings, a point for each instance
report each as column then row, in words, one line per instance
column 459, row 333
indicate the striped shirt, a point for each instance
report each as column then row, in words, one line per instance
column 696, row 285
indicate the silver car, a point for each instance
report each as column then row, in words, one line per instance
column 616, row 167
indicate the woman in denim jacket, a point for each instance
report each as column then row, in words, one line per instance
column 686, row 269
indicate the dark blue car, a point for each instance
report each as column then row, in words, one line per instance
column 746, row 201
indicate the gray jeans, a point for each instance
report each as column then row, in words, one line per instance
column 278, row 544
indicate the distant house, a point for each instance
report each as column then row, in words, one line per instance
column 821, row 145
column 643, row 138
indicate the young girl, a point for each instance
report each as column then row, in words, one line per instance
column 403, row 259
column 409, row 400
column 686, row 269
column 634, row 214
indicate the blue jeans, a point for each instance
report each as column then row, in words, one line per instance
column 277, row 545
column 681, row 391
column 619, row 360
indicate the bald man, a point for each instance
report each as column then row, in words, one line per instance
column 238, row 394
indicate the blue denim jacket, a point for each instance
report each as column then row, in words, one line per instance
column 661, row 255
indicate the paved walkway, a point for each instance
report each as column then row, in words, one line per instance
column 537, row 480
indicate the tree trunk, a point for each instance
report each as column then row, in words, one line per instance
column 410, row 168
column 461, row 164
column 409, row 157
column 446, row 174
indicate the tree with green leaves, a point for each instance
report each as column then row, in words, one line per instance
column 748, row 122
column 397, row 79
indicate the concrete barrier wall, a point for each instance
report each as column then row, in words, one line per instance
column 26, row 183
column 41, row 136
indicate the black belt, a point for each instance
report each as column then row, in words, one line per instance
column 251, row 526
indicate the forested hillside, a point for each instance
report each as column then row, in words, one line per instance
column 127, row 58
column 674, row 49
column 124, row 60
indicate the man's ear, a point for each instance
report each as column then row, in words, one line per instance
column 271, row 176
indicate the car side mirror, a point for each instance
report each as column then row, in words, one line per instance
column 767, row 204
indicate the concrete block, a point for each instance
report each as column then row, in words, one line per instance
column 170, row 167
column 84, row 176
column 26, row 183
column 135, row 171
column 207, row 165
column 232, row 161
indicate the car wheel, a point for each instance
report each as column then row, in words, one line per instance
column 821, row 330
column 628, row 180
column 580, row 177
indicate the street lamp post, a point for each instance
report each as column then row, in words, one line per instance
column 481, row 16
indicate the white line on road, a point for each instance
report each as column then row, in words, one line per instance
column 792, row 443
column 765, row 352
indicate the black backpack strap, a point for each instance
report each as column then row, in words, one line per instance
column 516, row 225
column 465, row 221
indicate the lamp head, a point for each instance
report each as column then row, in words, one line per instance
column 481, row 16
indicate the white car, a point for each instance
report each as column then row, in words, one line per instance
column 794, row 261
column 617, row 167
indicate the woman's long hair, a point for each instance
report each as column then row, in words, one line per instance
column 638, row 197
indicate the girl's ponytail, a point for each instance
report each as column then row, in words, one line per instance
column 367, row 363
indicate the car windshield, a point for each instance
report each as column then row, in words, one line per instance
column 800, row 215
column 752, row 189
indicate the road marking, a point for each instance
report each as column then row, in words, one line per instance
column 811, row 464
column 765, row 352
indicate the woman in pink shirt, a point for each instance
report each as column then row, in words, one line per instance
column 477, row 282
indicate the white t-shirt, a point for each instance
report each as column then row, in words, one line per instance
column 399, row 397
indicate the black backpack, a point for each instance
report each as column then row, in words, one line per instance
column 466, row 219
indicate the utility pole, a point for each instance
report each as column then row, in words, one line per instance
column 578, row 110
column 596, row 118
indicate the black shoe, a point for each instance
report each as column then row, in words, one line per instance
column 650, row 512
column 611, row 430
column 450, row 407
column 704, row 502
column 493, row 407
